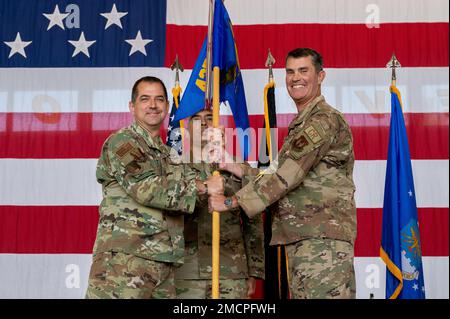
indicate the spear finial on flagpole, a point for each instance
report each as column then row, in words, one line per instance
column 393, row 64
column 176, row 90
column 208, row 102
column 176, row 65
column 269, row 63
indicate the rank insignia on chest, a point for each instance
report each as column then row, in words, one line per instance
column 133, row 167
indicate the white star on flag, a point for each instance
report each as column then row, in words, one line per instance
column 113, row 17
column 410, row 193
column 18, row 46
column 177, row 133
column 81, row 45
column 169, row 128
column 415, row 287
column 138, row 44
column 55, row 18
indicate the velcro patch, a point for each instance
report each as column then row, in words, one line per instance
column 312, row 133
column 124, row 149
column 301, row 142
column 137, row 154
column 133, row 167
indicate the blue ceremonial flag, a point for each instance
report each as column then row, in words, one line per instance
column 231, row 85
column 225, row 57
column 400, row 241
column 193, row 99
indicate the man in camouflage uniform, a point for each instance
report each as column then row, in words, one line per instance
column 140, row 232
column 313, row 185
column 241, row 238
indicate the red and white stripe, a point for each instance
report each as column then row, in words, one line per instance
column 54, row 121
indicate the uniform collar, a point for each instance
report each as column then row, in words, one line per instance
column 153, row 142
column 303, row 115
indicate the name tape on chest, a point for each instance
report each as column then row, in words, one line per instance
column 124, row 149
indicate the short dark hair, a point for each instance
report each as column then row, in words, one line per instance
column 304, row 52
column 148, row 79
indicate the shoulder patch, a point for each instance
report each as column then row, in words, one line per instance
column 301, row 142
column 312, row 133
column 124, row 149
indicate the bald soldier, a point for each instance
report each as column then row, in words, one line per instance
column 313, row 185
column 241, row 238
column 140, row 230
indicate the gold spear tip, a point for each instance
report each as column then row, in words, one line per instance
column 393, row 62
column 270, row 60
column 176, row 65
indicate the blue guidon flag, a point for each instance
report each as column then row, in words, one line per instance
column 400, row 241
column 225, row 57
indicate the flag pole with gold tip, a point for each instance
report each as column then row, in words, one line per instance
column 176, row 91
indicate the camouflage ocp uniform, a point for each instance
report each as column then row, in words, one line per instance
column 314, row 187
column 241, row 247
column 140, row 231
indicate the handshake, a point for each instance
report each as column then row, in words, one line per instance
column 214, row 187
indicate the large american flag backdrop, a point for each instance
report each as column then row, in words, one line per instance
column 67, row 68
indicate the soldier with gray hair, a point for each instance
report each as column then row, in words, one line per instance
column 140, row 230
column 313, row 186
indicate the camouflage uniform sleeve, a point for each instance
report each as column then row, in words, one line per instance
column 303, row 152
column 148, row 180
column 253, row 233
column 248, row 173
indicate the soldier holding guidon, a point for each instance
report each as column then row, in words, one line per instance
column 313, row 185
column 145, row 195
